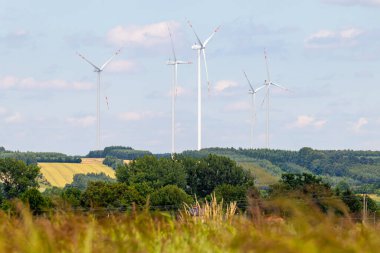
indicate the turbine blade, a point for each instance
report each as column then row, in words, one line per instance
column 172, row 43
column 184, row 62
column 262, row 103
column 212, row 35
column 259, row 89
column 196, row 35
column 250, row 85
column 279, row 86
column 204, row 58
column 84, row 58
column 266, row 63
column 110, row 59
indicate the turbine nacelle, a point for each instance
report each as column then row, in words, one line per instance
column 196, row 47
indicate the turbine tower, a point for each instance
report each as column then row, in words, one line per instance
column 252, row 92
column 267, row 84
column 98, row 70
column 201, row 49
column 175, row 64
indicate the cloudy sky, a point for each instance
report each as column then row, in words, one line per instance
column 326, row 52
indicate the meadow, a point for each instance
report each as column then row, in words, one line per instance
column 217, row 229
column 60, row 174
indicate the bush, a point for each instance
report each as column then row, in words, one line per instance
column 110, row 195
column 169, row 197
column 230, row 193
column 37, row 203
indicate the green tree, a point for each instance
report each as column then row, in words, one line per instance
column 207, row 173
column 17, row 177
column 155, row 172
column 80, row 181
column 230, row 193
column 37, row 203
column 110, row 195
column 169, row 197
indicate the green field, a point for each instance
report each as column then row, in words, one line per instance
column 262, row 177
column 60, row 174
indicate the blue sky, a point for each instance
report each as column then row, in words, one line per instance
column 325, row 51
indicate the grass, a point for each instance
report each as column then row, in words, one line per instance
column 216, row 231
column 262, row 177
column 60, row 174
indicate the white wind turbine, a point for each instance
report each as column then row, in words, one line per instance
column 99, row 70
column 267, row 84
column 253, row 92
column 175, row 64
column 201, row 47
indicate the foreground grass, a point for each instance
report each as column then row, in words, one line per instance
column 161, row 232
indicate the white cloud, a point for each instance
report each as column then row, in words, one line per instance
column 308, row 121
column 138, row 116
column 354, row 2
column 238, row 106
column 222, row 85
column 14, row 118
column 333, row 39
column 85, row 121
column 145, row 35
column 358, row 125
column 29, row 83
column 121, row 66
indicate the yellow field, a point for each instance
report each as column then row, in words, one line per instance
column 60, row 174
column 374, row 197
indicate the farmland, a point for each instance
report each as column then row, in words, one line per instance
column 60, row 174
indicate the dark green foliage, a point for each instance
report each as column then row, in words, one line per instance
column 72, row 196
column 353, row 202
column 113, row 162
column 17, row 177
column 155, row 172
column 230, row 193
column 205, row 174
column 169, row 197
column 37, row 203
column 35, row 157
column 80, row 181
column 110, row 195
column 120, row 152
column 306, row 187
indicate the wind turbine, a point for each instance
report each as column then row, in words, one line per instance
column 175, row 64
column 252, row 92
column 267, row 84
column 99, row 70
column 201, row 49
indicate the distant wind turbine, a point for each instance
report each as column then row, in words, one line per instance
column 253, row 92
column 201, row 49
column 175, row 64
column 267, row 84
column 99, row 70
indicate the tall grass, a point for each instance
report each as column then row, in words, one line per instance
column 216, row 229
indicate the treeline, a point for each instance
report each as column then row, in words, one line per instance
column 38, row 157
column 362, row 166
column 119, row 152
column 166, row 184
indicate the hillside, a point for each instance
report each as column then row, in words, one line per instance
column 60, row 174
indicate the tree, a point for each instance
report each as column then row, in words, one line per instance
column 110, row 195
column 169, row 197
column 17, row 177
column 37, row 203
column 230, row 193
column 155, row 172
column 205, row 174
column 80, row 181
